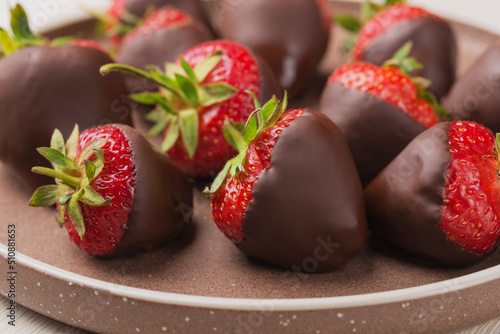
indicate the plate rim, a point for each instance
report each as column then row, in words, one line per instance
column 253, row 304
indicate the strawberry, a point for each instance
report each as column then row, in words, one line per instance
column 275, row 201
column 290, row 35
column 379, row 109
column 162, row 36
column 47, row 86
column 475, row 95
column 385, row 29
column 115, row 194
column 125, row 15
column 197, row 94
column 444, row 187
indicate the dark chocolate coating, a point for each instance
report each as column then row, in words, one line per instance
column 476, row 95
column 157, row 48
column 376, row 131
column 404, row 202
column 162, row 193
column 290, row 35
column 44, row 88
column 191, row 7
column 434, row 46
column 307, row 211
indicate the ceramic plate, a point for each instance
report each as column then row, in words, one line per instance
column 200, row 283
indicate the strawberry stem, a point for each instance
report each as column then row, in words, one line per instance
column 71, row 181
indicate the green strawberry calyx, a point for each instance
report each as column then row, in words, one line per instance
column 106, row 24
column 353, row 24
column 182, row 96
column 241, row 135
column 406, row 65
column 22, row 34
column 73, row 175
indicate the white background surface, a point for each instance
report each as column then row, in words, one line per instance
column 48, row 14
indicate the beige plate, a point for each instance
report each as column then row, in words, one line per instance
column 202, row 284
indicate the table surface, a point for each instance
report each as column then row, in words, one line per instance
column 53, row 13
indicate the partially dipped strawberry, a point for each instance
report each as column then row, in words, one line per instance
column 384, row 30
column 197, row 94
column 115, row 194
column 45, row 87
column 475, row 96
column 162, row 36
column 290, row 35
column 125, row 15
column 292, row 196
column 439, row 199
column 378, row 109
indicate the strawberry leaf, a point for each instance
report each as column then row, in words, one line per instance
column 189, row 130
column 392, row 2
column 62, row 214
column 72, row 143
column 57, row 142
column 92, row 198
column 172, row 134
column 161, row 120
column 65, row 199
column 348, row 22
column 88, row 151
column 90, row 170
column 188, row 90
column 207, row 65
column 7, row 43
column 171, row 69
column 75, row 215
column 188, row 70
column 251, row 128
column 219, row 179
column 19, row 24
column 368, row 10
column 46, row 195
column 56, row 157
column 234, row 136
column 215, row 93
column 149, row 98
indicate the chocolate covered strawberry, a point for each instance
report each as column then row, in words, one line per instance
column 384, row 30
column 115, row 194
column 439, row 199
column 378, row 109
column 45, row 87
column 290, row 35
column 292, row 196
column 124, row 15
column 197, row 94
column 475, row 96
column 162, row 36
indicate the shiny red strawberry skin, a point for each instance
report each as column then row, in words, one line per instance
column 162, row 18
column 230, row 201
column 105, row 225
column 471, row 209
column 114, row 12
column 382, row 22
column 387, row 84
column 237, row 68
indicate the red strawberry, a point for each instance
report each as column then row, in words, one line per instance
column 444, row 187
column 47, row 86
column 124, row 15
column 275, row 200
column 162, row 36
column 386, row 29
column 197, row 94
column 115, row 193
column 379, row 110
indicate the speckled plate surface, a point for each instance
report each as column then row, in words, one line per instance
column 201, row 283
